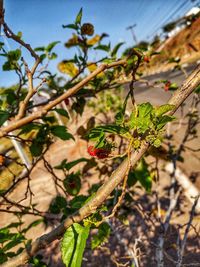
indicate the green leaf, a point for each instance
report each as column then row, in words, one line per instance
column 78, row 201
column 52, row 56
column 71, row 26
column 37, row 261
column 79, row 17
column 29, row 127
column 16, row 239
column 102, row 235
column 10, row 97
column 49, row 119
column 5, row 235
column 101, row 141
column 73, row 245
column 14, row 55
column 19, row 34
column 62, row 112
column 36, row 148
column 197, row 90
column 42, row 57
column 71, row 164
column 116, row 129
column 4, row 115
column 132, row 120
column 61, row 132
column 9, row 65
column 145, row 109
column 119, row 118
column 103, row 47
column 40, row 48
column 51, row 46
column 163, row 121
column 173, row 86
column 143, row 120
column 163, row 109
column 115, row 49
column 142, row 175
column 58, row 204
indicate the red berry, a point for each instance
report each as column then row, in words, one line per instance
column 1, row 160
column 66, row 101
column 92, row 151
column 146, row 59
column 167, row 85
column 102, row 153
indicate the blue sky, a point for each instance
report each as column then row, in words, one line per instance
column 41, row 21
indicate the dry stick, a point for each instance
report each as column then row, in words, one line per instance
column 38, row 114
column 183, row 243
column 105, row 190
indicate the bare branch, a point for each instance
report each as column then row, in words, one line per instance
column 38, row 114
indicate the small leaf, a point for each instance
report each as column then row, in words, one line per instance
column 71, row 26
column 173, row 86
column 73, row 245
column 29, row 127
column 117, row 129
column 73, row 41
column 49, row 119
column 115, row 49
column 197, row 90
column 163, row 109
column 102, row 235
column 163, row 121
column 4, row 115
column 145, row 109
column 9, row 65
column 119, row 118
column 68, row 68
column 142, row 175
column 41, row 49
column 14, row 55
column 93, row 40
column 62, row 112
column 19, row 34
column 58, row 204
column 61, row 132
column 51, row 46
column 36, row 148
column 79, row 17
column 71, row 164
column 78, row 201
column 103, row 47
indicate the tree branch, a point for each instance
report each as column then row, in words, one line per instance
column 104, row 191
column 44, row 110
